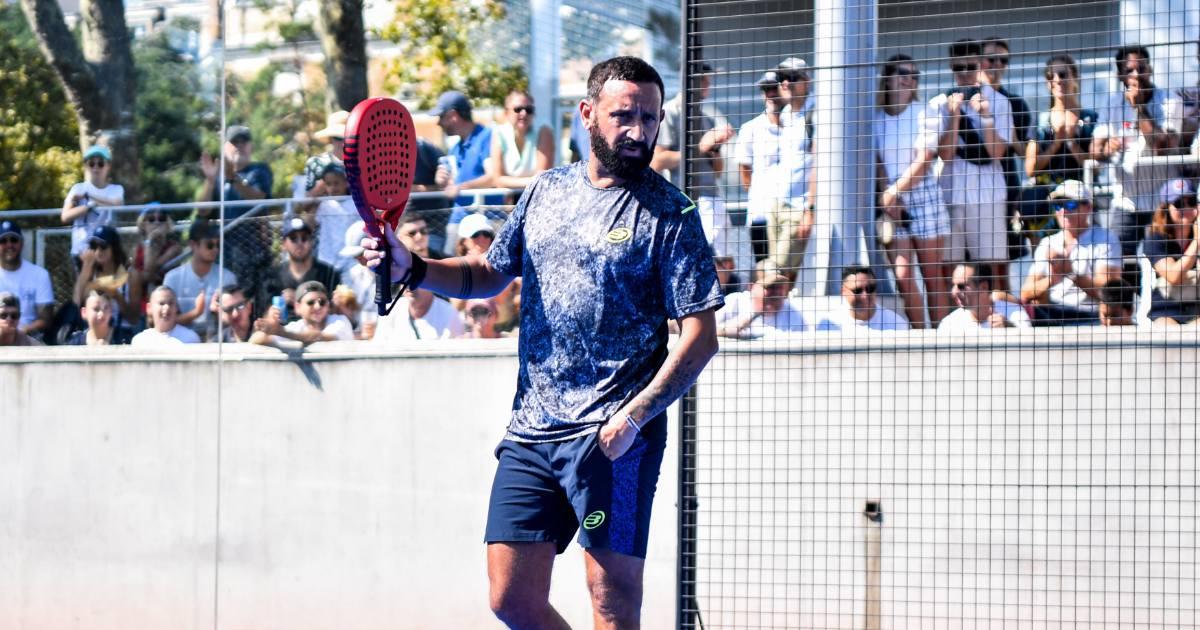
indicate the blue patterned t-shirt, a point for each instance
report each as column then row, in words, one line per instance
column 603, row 269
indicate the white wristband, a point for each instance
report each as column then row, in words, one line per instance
column 629, row 419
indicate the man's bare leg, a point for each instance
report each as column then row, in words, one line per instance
column 519, row 578
column 615, row 582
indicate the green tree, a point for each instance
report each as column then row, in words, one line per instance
column 39, row 138
column 437, row 41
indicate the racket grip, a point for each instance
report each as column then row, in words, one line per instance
column 383, row 282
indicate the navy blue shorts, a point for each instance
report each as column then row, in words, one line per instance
column 545, row 492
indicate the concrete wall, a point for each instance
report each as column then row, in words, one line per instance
column 1034, row 479
column 346, row 491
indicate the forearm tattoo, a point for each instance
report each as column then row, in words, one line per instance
column 464, row 290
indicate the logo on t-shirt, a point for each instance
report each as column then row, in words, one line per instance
column 619, row 235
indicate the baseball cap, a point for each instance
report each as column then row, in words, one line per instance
column 293, row 224
column 335, row 126
column 473, row 224
column 105, row 234
column 309, row 287
column 238, row 133
column 767, row 80
column 452, row 100
column 794, row 65
column 8, row 227
column 1174, row 189
column 202, row 230
column 354, row 237
column 97, row 151
column 1072, row 189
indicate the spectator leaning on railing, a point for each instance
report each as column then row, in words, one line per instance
column 1172, row 247
column 237, row 314
column 468, row 146
column 315, row 323
column 97, row 314
column 104, row 269
column 88, row 202
column 521, row 149
column 29, row 282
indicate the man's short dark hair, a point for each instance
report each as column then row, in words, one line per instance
column 855, row 270
column 1131, row 49
column 1119, row 293
column 9, row 300
column 980, row 272
column 622, row 69
column 233, row 288
column 965, row 48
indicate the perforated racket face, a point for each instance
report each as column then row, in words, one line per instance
column 381, row 155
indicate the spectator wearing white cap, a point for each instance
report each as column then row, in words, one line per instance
column 475, row 235
column 1072, row 265
column 764, row 311
column 29, row 282
column 335, row 133
column 1172, row 246
column 88, row 203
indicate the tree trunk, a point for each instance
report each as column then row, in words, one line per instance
column 99, row 79
column 340, row 28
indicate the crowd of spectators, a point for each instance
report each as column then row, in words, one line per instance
column 968, row 180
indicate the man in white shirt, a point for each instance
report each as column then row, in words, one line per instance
column 978, row 308
column 860, row 310
column 197, row 283
column 419, row 315
column 762, row 312
column 163, row 309
column 29, row 282
column 1071, row 266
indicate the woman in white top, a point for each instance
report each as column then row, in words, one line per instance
column 87, row 204
column 518, row 153
column 914, row 222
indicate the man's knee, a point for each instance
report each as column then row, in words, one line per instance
column 617, row 603
column 515, row 607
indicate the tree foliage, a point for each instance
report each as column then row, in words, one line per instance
column 438, row 51
column 39, row 138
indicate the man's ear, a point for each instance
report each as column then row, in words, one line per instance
column 585, row 113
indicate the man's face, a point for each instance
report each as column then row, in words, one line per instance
column 10, row 319
column 774, row 99
column 415, row 236
column 1115, row 315
column 705, row 86
column 204, row 250
column 774, row 296
column 796, row 90
column 1072, row 214
column 1135, row 72
column 335, row 184
column 10, row 251
column 239, row 153
column 859, row 292
column 235, row 310
column 163, row 309
column 966, row 71
column 623, row 124
column 97, row 311
column 313, row 308
column 449, row 122
column 966, row 291
column 298, row 245
column 994, row 62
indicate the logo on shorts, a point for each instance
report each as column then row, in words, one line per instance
column 619, row 235
column 594, row 520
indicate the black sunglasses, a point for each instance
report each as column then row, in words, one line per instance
column 964, row 67
column 95, row 245
column 13, row 315
column 299, row 237
column 229, row 310
column 1061, row 75
column 962, row 286
column 997, row 60
column 905, row 72
column 316, row 302
column 523, row 109
column 96, row 163
column 866, row 288
column 156, row 218
column 10, row 240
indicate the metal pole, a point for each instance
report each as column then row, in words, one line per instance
column 845, row 32
column 544, row 60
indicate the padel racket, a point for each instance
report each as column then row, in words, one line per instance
column 381, row 156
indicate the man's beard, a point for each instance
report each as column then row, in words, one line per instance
column 622, row 166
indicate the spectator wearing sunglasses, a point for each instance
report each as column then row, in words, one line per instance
column 521, row 149
column 1131, row 126
column 88, row 204
column 995, row 63
column 860, row 309
column 157, row 246
column 974, row 178
column 29, row 282
column 979, row 306
column 1172, row 247
column 237, row 314
column 300, row 266
column 1059, row 149
column 103, row 269
column 1071, row 266
column 10, row 318
column 197, row 283
column 315, row 323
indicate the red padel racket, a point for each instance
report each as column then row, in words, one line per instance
column 381, row 155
